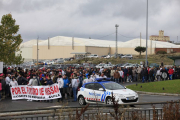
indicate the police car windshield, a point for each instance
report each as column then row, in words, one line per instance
column 112, row 86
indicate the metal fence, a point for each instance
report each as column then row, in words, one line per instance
column 91, row 115
column 95, row 112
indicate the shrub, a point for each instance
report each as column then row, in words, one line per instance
column 161, row 52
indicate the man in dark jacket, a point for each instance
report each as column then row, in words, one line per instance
column 125, row 74
column 151, row 75
column 130, row 75
column 144, row 74
column 21, row 80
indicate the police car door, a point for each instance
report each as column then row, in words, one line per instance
column 89, row 92
column 99, row 92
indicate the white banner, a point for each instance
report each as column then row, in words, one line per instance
column 35, row 92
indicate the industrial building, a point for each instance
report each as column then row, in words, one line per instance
column 64, row 47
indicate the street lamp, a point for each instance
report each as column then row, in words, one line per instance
column 146, row 32
column 116, row 39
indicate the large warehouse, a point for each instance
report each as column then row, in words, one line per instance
column 63, row 47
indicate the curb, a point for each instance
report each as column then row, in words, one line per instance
column 163, row 94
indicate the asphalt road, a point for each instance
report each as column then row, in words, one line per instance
column 8, row 104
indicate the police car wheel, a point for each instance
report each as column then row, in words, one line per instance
column 109, row 101
column 81, row 100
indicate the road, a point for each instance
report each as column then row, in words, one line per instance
column 8, row 104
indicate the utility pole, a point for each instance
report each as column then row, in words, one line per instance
column 140, row 39
column 151, row 46
column 177, row 39
column 48, row 42
column 73, row 43
column 146, row 33
column 116, row 39
column 37, row 52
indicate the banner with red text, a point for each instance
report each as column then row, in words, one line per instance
column 35, row 92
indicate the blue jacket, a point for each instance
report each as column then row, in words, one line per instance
column 49, row 82
column 65, row 83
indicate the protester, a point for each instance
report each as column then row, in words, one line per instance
column 61, row 84
column 75, row 83
column 116, row 76
column 66, row 86
column 33, row 82
column 121, row 75
column 171, row 72
column 13, row 82
column 8, row 80
column 158, row 74
column 21, row 80
column 139, row 69
column 125, row 74
column 130, row 75
column 49, row 83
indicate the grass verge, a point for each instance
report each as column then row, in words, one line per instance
column 170, row 86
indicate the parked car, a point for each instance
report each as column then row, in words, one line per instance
column 51, row 62
column 93, row 56
column 108, row 66
column 126, row 64
column 100, row 65
column 67, row 59
column 103, row 56
column 127, row 56
column 39, row 63
column 153, row 65
column 79, row 66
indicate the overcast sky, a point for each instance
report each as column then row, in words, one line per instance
column 93, row 18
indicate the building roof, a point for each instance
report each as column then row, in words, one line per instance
column 154, row 36
column 68, row 41
column 29, row 43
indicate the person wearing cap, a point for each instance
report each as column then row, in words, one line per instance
column 60, row 82
column 75, row 84
column 8, row 80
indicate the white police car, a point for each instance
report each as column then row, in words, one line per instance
column 101, row 92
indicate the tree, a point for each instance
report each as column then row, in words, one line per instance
column 140, row 49
column 10, row 41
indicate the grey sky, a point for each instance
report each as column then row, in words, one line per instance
column 93, row 18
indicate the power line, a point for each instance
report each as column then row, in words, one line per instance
column 106, row 35
column 129, row 37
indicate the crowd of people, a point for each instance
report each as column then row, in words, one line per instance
column 70, row 79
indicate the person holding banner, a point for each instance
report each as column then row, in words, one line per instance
column 33, row 82
column 13, row 82
column 61, row 84
column 49, row 82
